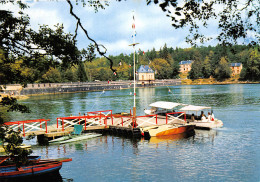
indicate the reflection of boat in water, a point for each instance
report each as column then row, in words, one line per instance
column 207, row 134
column 171, row 137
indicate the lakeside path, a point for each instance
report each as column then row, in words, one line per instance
column 59, row 88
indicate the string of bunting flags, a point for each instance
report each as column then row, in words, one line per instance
column 140, row 52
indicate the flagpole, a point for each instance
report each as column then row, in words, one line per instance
column 134, row 107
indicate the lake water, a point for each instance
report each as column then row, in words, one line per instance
column 231, row 153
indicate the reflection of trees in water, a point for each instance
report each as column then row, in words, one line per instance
column 212, row 95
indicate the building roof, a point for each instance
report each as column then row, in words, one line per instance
column 145, row 69
column 235, row 64
column 186, row 62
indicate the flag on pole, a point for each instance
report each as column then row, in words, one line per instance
column 133, row 25
column 134, row 34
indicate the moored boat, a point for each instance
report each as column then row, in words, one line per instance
column 174, row 124
column 33, row 168
column 167, row 129
column 191, row 111
column 201, row 121
column 161, row 108
column 79, row 138
column 76, row 135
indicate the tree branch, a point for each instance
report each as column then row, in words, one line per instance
column 86, row 33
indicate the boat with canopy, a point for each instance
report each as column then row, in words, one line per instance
column 161, row 108
column 201, row 121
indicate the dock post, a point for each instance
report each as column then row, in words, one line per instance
column 46, row 127
column 85, row 123
column 112, row 117
column 62, row 124
column 23, row 130
column 134, row 117
column 57, row 123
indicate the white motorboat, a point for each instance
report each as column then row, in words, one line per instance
column 200, row 120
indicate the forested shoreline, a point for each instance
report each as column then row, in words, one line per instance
column 208, row 62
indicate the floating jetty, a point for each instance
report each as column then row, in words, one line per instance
column 105, row 122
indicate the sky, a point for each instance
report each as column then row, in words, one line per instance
column 112, row 27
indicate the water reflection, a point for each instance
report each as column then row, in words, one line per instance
column 170, row 138
column 186, row 94
column 145, row 97
column 227, row 154
column 50, row 177
column 205, row 136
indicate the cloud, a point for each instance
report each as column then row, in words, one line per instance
column 112, row 26
column 117, row 47
column 48, row 13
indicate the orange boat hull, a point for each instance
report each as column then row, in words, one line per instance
column 175, row 130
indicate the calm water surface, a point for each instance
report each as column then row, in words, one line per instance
column 231, row 153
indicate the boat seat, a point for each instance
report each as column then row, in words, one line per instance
column 77, row 129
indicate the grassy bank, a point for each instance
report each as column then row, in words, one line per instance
column 206, row 81
column 18, row 97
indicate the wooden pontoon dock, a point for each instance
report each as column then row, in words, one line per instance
column 98, row 121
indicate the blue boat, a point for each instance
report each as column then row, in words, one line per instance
column 9, row 170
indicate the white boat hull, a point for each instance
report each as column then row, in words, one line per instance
column 208, row 125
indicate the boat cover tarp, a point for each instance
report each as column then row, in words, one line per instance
column 194, row 108
column 165, row 105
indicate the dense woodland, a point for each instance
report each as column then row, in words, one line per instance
column 208, row 61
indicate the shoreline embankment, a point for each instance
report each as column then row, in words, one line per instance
column 17, row 90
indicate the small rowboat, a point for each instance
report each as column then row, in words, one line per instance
column 73, row 138
column 34, row 168
column 80, row 137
